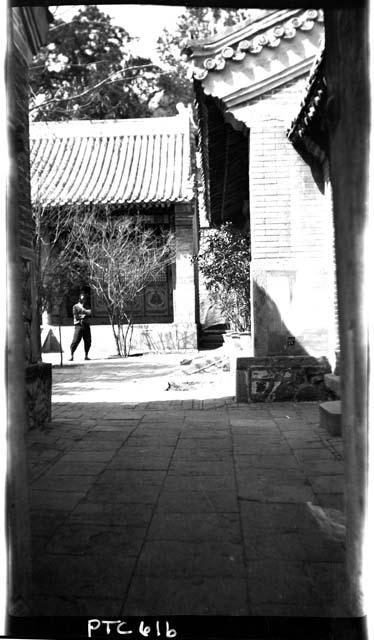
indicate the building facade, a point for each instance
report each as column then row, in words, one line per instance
column 249, row 82
column 310, row 137
column 139, row 168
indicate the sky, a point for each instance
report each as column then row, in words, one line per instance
column 145, row 22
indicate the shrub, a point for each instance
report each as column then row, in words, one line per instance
column 224, row 262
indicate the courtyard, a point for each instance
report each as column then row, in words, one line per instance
column 151, row 491
column 157, row 500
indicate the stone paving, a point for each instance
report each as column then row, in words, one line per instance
column 198, row 507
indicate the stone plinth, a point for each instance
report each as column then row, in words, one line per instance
column 281, row 378
column 331, row 417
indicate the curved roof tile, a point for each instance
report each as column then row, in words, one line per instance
column 251, row 39
column 111, row 161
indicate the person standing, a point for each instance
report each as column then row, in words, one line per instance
column 82, row 327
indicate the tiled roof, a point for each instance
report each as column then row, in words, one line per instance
column 308, row 128
column 111, row 161
column 249, row 38
column 315, row 91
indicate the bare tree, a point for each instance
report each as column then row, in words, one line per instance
column 56, row 270
column 121, row 256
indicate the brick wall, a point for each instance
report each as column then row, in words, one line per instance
column 291, row 232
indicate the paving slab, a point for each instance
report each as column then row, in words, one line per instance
column 327, row 483
column 323, row 467
column 282, row 516
column 87, row 456
column 300, row 442
column 96, row 539
column 329, row 580
column 322, row 453
column 213, row 526
column 187, row 483
column 96, row 445
column 182, row 506
column 206, row 444
column 54, row 482
column 175, row 558
column 331, row 500
column 131, row 477
column 292, row 610
column 145, row 462
column 69, row 467
column 66, row 574
column 197, row 502
column 38, row 545
column 256, row 431
column 261, row 448
column 56, row 500
column 279, row 582
column 196, row 468
column 291, row 545
column 204, row 454
column 218, row 596
column 251, row 423
column 245, row 461
column 248, row 443
column 143, row 449
column 135, row 494
column 110, row 513
column 46, row 605
column 269, row 488
column 154, row 441
column 44, row 522
column 108, row 435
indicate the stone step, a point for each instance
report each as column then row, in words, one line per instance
column 211, row 338
column 330, row 417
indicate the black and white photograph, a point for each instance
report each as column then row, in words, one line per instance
column 187, row 355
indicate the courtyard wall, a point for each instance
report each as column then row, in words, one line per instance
column 291, row 234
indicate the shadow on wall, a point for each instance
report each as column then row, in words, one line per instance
column 282, row 369
column 272, row 336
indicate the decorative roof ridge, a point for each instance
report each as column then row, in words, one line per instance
column 300, row 19
column 232, row 35
column 236, row 32
column 130, row 126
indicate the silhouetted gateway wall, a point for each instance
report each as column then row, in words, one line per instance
column 28, row 380
column 141, row 168
column 27, row 29
column 254, row 74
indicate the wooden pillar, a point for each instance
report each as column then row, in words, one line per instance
column 348, row 115
column 184, row 299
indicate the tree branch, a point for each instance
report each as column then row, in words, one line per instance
column 94, row 23
column 90, row 89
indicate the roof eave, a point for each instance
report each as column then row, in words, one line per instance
column 310, row 106
column 241, row 31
